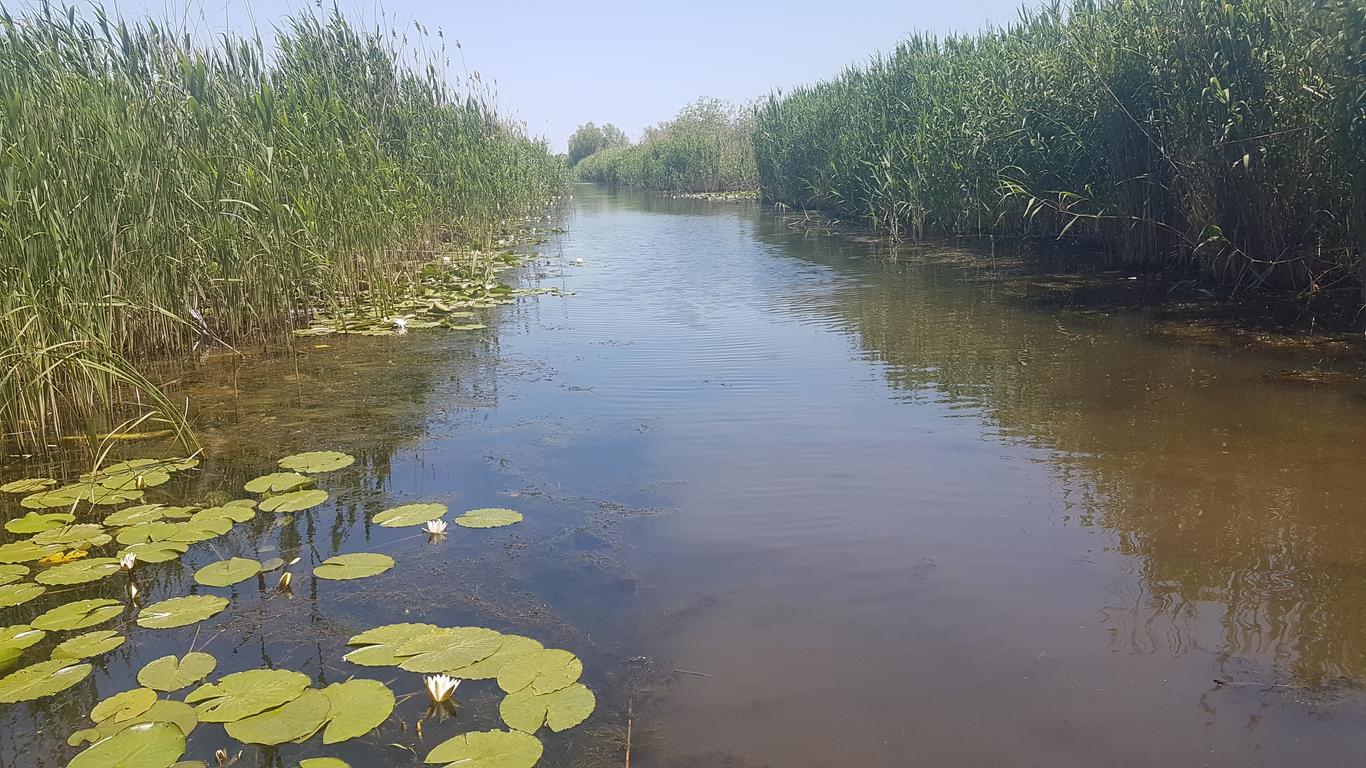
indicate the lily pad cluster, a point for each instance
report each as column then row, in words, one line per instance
column 114, row 484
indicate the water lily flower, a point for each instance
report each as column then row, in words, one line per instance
column 133, row 593
column 286, row 579
column 435, row 527
column 578, row 261
column 440, row 687
column 128, row 561
column 401, row 324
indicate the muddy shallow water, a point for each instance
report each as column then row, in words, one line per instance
column 799, row 505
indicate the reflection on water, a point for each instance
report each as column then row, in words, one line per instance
column 800, row 505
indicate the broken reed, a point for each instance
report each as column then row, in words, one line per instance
column 1192, row 134
column 158, row 194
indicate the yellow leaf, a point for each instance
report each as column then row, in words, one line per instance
column 63, row 557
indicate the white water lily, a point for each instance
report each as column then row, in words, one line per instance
column 440, row 687
column 401, row 323
column 128, row 561
column 578, row 261
column 435, row 527
column 286, row 579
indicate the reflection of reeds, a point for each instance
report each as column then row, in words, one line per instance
column 157, row 194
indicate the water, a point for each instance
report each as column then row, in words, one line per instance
column 796, row 504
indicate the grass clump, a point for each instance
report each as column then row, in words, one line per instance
column 159, row 193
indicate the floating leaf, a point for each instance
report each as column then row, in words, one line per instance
column 78, row 615
column 37, row 522
column 142, row 513
column 143, row 533
column 180, row 611
column 540, row 672
column 20, row 636
column 488, row 518
column 317, row 461
column 169, row 673
column 156, row 551
column 124, row 706
column 225, row 573
column 295, row 720
column 135, row 479
column 278, row 482
column 26, row 551
column 561, row 710
column 42, row 679
column 12, row 573
column 513, row 646
column 273, row 564
column 202, row 530
column 379, row 644
column 356, row 565
column 59, row 557
column 27, row 485
column 79, row 572
column 409, row 514
column 237, row 513
column 244, row 694
column 449, row 648
column 358, row 707
column 145, row 745
column 88, row 645
column 70, row 495
column 488, row 749
column 18, row 594
column 163, row 711
column 323, row 762
column 80, row 536
column 294, row 501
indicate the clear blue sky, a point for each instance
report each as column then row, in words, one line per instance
column 559, row 64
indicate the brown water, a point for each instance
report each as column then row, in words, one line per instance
column 796, row 504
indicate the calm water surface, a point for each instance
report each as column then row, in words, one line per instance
column 799, row 505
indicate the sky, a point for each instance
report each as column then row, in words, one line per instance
column 556, row 65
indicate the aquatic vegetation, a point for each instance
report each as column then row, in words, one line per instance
column 169, row 674
column 278, row 482
column 316, row 462
column 225, row 573
column 147, row 745
column 440, row 688
column 18, row 594
column 560, row 710
column 488, row 749
column 78, row 614
column 28, row 485
column 409, row 514
column 181, row 611
column 434, row 528
column 357, row 565
column 124, row 705
column 88, row 645
column 491, row 517
column 357, row 708
column 294, row 501
column 46, row 678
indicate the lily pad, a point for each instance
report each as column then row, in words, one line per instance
column 79, row 572
column 169, row 673
column 203, row 529
column 561, row 710
column 80, row 536
column 278, row 482
column 163, row 711
column 317, row 461
column 357, row 707
column 490, row 517
column 124, row 706
column 237, row 513
column 78, row 615
column 540, row 672
column 20, row 636
column 449, row 648
column 135, row 479
column 27, row 485
column 225, row 573
column 243, row 694
column 88, row 645
column 409, row 514
column 143, row 533
column 42, row 679
column 323, row 762
column 377, row 645
column 488, row 749
column 142, row 513
column 156, row 551
column 146, row 745
column 37, row 522
column 294, row 501
column 486, row 669
column 18, row 594
column 357, row 565
column 12, row 573
column 26, row 551
column 296, row 720
column 180, row 611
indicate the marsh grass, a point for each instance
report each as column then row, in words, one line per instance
column 159, row 194
column 1223, row 137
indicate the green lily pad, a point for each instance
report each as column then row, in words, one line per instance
column 225, row 573
column 449, row 648
column 79, row 536
column 79, row 571
column 124, row 706
column 20, row 636
column 488, row 518
column 181, row 611
column 237, row 513
column 18, row 594
column 294, row 501
column 135, row 479
column 88, row 645
column 243, row 694
column 203, row 529
column 540, row 672
column 163, row 464
column 163, row 711
column 26, row 551
column 317, row 461
column 37, row 522
column 27, row 485
column 155, row 551
column 12, row 573
column 409, row 514
column 377, row 645
column 146, row 745
column 147, row 532
column 488, row 749
column 486, row 669
column 357, row 565
column 295, row 720
column 142, row 513
column 70, row 495
column 357, row 707
column 278, row 482
column 42, row 679
column 78, row 615
column 169, row 673
column 561, row 710
column 323, row 762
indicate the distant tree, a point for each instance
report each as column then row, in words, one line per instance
column 589, row 139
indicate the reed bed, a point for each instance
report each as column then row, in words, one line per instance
column 1210, row 135
column 159, row 194
column 707, row 147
